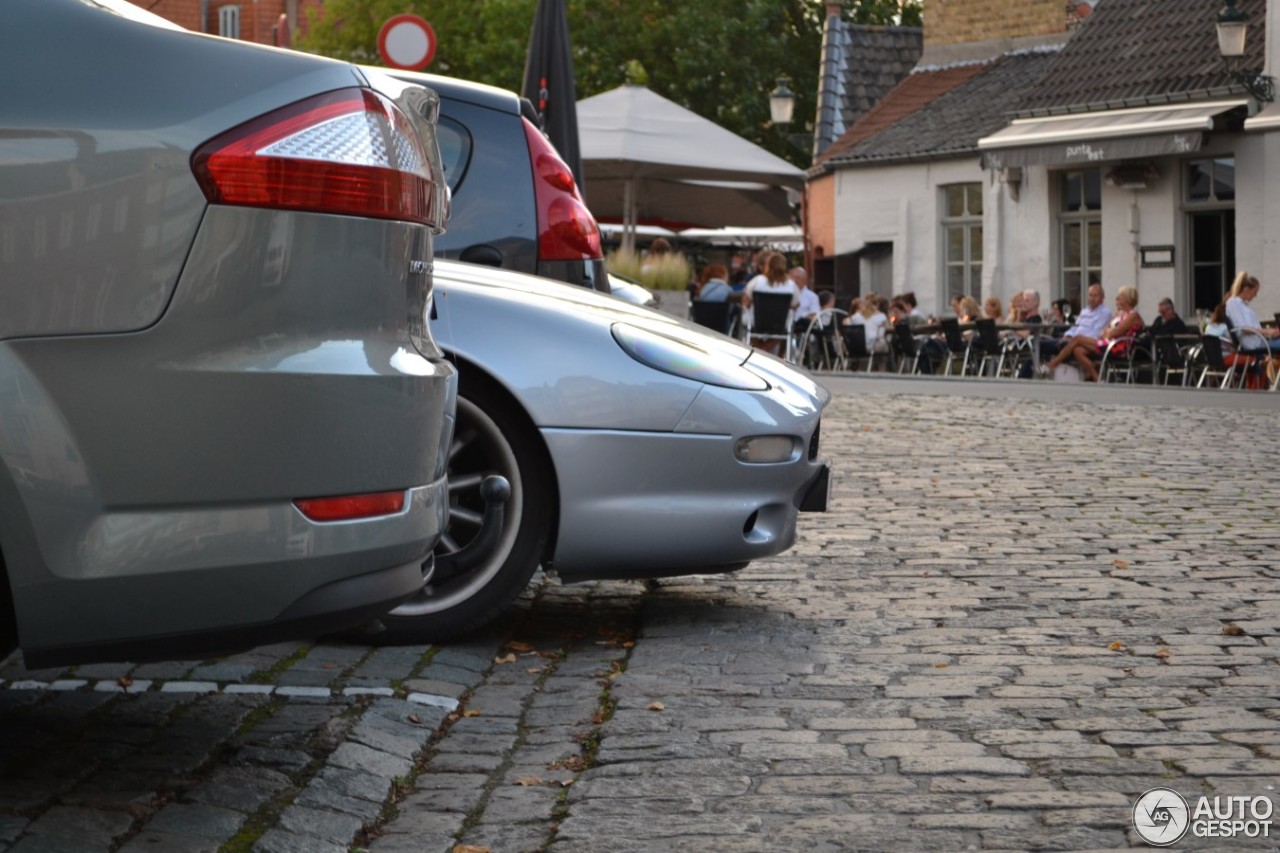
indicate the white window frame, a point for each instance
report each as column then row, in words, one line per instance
column 1082, row 218
column 969, row 224
column 229, row 21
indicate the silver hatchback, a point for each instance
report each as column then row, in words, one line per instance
column 221, row 412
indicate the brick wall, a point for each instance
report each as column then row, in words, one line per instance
column 959, row 21
column 258, row 20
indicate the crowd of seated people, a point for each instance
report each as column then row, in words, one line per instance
column 1053, row 337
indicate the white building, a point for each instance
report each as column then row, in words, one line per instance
column 1037, row 148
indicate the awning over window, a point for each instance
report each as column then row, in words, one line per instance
column 1093, row 137
column 1267, row 119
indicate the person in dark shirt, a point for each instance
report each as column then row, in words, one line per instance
column 1168, row 322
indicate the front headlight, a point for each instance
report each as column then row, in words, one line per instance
column 684, row 359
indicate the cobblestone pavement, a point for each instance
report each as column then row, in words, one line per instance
column 1019, row 615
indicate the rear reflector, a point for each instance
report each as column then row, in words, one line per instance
column 566, row 229
column 350, row 507
column 347, row 152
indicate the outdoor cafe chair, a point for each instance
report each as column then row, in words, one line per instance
column 990, row 350
column 906, row 350
column 1116, row 360
column 822, row 345
column 957, row 346
column 1216, row 366
column 855, row 348
column 719, row 316
column 772, row 320
column 1170, row 360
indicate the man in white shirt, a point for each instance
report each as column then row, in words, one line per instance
column 810, row 305
column 1091, row 321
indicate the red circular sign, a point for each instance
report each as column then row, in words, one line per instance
column 407, row 41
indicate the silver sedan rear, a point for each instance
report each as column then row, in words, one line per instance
column 222, row 418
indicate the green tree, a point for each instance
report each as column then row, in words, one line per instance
column 719, row 58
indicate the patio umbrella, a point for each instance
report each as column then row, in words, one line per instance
column 657, row 152
column 549, row 84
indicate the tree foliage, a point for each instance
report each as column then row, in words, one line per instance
column 719, row 58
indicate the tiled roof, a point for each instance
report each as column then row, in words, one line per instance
column 942, row 112
column 914, row 93
column 1131, row 52
column 880, row 58
column 860, row 65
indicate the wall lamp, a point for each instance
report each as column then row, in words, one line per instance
column 1233, row 26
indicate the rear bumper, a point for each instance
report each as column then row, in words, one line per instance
column 148, row 495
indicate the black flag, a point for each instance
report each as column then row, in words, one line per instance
column 549, row 83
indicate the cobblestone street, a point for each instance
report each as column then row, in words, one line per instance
column 1023, row 611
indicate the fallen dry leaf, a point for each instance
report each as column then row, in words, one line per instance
column 534, row 670
column 124, row 681
column 1163, row 652
column 1232, row 630
column 507, row 658
column 519, row 647
column 656, row 706
column 574, row 764
column 1120, row 564
column 598, row 717
column 470, row 848
column 471, row 712
column 941, row 665
column 528, row 781
column 1117, row 646
column 415, row 719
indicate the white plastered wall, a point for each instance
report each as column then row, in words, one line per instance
column 900, row 204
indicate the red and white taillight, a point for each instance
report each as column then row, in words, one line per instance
column 349, row 152
column 566, row 229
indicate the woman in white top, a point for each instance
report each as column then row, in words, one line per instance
column 773, row 279
column 869, row 313
column 1253, row 337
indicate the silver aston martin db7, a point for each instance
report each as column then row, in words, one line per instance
column 636, row 445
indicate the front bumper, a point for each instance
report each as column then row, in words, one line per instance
column 646, row 504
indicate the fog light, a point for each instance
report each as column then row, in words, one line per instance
column 765, row 448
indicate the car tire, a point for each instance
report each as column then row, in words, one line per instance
column 492, row 436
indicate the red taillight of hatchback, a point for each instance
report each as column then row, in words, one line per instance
column 351, row 507
column 347, row 152
column 566, row 229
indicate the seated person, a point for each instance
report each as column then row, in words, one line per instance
column 1122, row 327
column 1090, row 321
column 773, row 279
column 714, row 285
column 1254, row 338
column 1168, row 323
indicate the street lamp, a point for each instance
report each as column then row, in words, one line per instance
column 1233, row 27
column 782, row 102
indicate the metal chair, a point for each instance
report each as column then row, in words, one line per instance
column 906, row 349
column 771, row 320
column 957, row 346
column 1117, row 359
column 1215, row 363
column 822, row 345
column 855, row 348
column 990, row 350
column 1170, row 360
